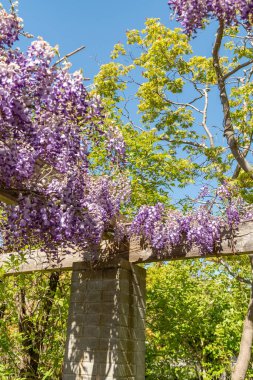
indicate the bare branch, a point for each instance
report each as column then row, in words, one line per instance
column 234, row 275
column 197, row 98
column 239, row 67
column 183, row 105
column 68, row 55
column 127, row 115
column 204, row 121
column 185, row 142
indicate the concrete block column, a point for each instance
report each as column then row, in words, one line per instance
column 106, row 324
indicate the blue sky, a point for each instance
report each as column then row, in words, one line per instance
column 96, row 24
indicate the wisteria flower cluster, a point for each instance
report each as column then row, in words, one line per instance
column 10, row 27
column 75, row 215
column 48, row 123
column 192, row 13
column 165, row 229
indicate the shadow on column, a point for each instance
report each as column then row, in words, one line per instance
column 106, row 327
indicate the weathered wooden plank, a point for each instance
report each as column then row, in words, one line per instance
column 37, row 260
column 135, row 252
column 238, row 243
column 7, row 198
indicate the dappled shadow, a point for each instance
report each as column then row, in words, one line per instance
column 28, row 261
column 106, row 327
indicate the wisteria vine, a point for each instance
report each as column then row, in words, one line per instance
column 48, row 125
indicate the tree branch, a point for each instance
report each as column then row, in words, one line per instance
column 243, row 359
column 229, row 132
column 68, row 55
column 245, row 152
column 234, row 275
column 204, row 121
column 184, row 104
column 237, row 69
column 185, row 142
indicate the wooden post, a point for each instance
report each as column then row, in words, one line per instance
column 106, row 324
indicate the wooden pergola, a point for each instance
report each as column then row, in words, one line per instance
column 106, row 323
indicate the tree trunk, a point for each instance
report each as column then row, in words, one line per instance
column 243, row 360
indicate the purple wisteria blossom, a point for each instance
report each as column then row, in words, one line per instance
column 192, row 13
column 165, row 229
column 48, row 123
column 10, row 26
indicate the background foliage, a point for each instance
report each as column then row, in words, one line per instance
column 195, row 312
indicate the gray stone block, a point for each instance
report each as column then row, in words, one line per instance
column 106, row 324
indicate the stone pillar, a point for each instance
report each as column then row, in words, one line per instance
column 106, row 324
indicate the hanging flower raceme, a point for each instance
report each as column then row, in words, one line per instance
column 165, row 229
column 192, row 13
column 48, row 123
column 74, row 214
column 10, row 26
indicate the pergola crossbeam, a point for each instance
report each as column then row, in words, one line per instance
column 238, row 243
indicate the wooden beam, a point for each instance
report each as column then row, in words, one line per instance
column 135, row 252
column 237, row 243
column 7, row 197
column 38, row 260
